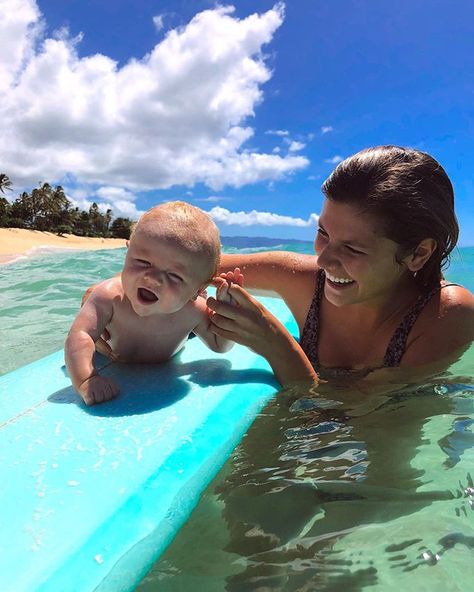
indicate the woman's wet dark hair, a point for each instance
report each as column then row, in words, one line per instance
column 409, row 194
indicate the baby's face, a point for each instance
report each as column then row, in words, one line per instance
column 159, row 276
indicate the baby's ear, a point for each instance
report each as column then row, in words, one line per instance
column 127, row 243
column 201, row 292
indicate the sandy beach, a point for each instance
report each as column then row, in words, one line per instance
column 15, row 242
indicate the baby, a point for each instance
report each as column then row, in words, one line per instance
column 151, row 308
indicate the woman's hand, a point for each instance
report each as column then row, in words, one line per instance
column 248, row 322
column 224, row 281
column 241, row 318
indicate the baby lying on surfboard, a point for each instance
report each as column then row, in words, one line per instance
column 149, row 310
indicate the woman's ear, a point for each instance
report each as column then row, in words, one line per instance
column 417, row 259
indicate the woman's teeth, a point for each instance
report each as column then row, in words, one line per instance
column 337, row 280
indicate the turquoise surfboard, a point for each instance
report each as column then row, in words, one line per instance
column 91, row 496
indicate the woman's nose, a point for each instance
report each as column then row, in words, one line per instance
column 326, row 256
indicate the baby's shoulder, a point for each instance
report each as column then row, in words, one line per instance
column 108, row 290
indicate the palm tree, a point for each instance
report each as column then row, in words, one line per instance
column 5, row 183
column 121, row 227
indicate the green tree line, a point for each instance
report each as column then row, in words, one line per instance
column 48, row 209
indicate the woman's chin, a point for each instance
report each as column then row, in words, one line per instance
column 340, row 294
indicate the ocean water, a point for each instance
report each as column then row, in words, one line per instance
column 331, row 490
column 40, row 294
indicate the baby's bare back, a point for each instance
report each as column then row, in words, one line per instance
column 153, row 338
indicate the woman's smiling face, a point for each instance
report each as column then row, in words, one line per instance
column 360, row 264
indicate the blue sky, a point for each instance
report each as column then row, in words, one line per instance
column 242, row 112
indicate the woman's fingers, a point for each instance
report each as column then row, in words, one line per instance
column 224, row 333
column 223, row 322
column 217, row 281
column 234, row 334
column 242, row 297
column 222, row 292
column 224, row 309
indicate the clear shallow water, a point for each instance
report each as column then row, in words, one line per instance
column 327, row 491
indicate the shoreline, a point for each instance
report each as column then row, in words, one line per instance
column 17, row 243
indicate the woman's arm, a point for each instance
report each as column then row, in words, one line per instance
column 251, row 324
column 271, row 270
column 292, row 276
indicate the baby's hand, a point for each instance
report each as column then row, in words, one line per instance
column 233, row 277
column 98, row 389
column 225, row 280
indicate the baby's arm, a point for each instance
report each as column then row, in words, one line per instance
column 213, row 341
column 79, row 348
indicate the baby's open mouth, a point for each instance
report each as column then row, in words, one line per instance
column 146, row 295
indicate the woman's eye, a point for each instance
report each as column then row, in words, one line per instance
column 354, row 251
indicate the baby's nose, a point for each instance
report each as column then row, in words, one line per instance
column 154, row 277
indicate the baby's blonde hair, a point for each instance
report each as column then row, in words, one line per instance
column 186, row 225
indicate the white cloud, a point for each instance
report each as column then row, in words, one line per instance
column 326, row 129
column 122, row 208
column 213, row 199
column 296, row 146
column 178, row 116
column 281, row 133
column 118, row 199
column 20, row 25
column 334, row 160
column 115, row 193
column 158, row 21
column 255, row 218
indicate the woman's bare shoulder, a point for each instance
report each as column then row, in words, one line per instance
column 457, row 308
column 453, row 303
column 456, row 295
column 445, row 325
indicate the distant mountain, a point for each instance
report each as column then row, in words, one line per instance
column 245, row 242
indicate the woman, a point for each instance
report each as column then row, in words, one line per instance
column 374, row 296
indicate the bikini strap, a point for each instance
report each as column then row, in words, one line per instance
column 310, row 335
column 397, row 346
